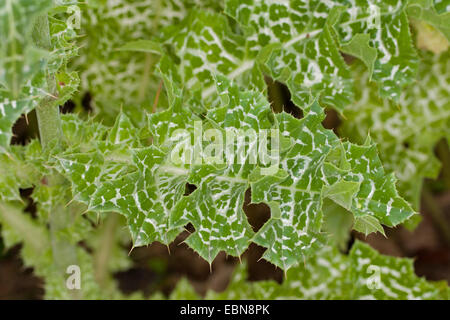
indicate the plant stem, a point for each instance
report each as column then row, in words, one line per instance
column 49, row 122
column 143, row 88
column 47, row 111
column 105, row 248
column 50, row 132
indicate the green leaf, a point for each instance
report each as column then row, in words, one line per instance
column 342, row 192
column 19, row 58
column 296, row 42
column 63, row 37
column 377, row 195
column 66, row 85
column 220, row 221
column 295, row 232
column 441, row 6
column 142, row 46
column 360, row 48
column 205, row 45
column 147, row 184
column 330, row 275
column 368, row 224
column 375, row 276
column 10, row 112
column 305, row 28
column 139, row 193
column 337, row 223
column 107, row 72
column 23, row 75
column 15, row 173
column 423, row 10
column 407, row 132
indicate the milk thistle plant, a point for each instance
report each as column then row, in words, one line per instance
column 182, row 125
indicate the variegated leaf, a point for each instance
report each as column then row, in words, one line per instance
column 108, row 72
column 147, row 184
column 330, row 275
column 406, row 132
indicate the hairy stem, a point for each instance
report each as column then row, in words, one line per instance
column 143, row 89
column 50, row 132
column 47, row 111
column 104, row 250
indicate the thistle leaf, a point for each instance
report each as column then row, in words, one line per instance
column 364, row 274
column 405, row 132
column 19, row 58
column 147, row 184
column 298, row 43
column 368, row 224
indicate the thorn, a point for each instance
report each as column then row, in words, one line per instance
column 187, row 231
column 26, row 119
column 49, row 94
column 168, row 248
column 132, row 248
column 68, row 203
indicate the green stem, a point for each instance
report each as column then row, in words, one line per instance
column 47, row 111
column 105, row 248
column 50, row 131
column 49, row 123
column 145, row 78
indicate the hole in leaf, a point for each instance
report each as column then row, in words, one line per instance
column 257, row 213
column 31, row 207
column 25, row 129
column 67, row 107
column 332, row 120
column 280, row 98
column 189, row 189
